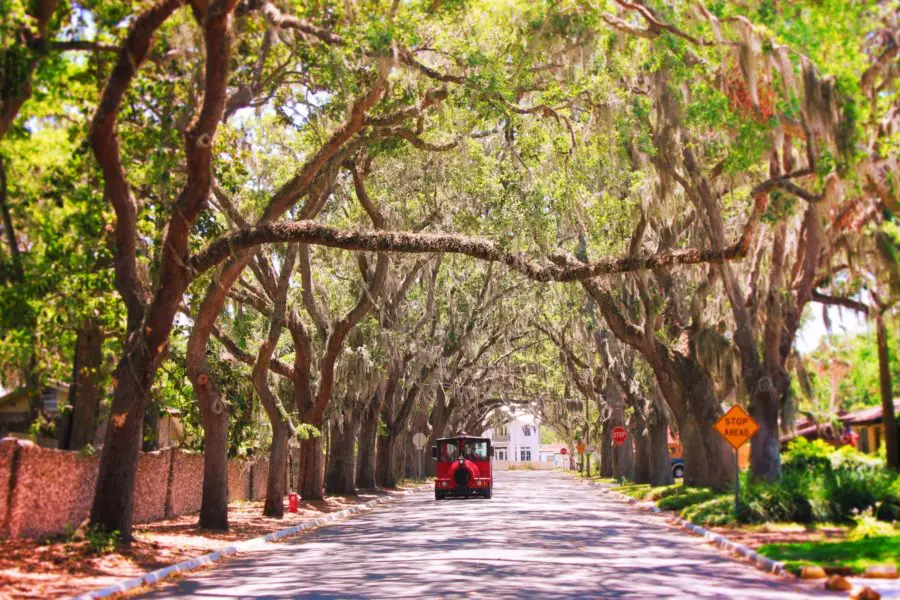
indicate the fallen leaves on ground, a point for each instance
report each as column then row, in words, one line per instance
column 63, row 568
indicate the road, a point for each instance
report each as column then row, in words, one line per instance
column 543, row 535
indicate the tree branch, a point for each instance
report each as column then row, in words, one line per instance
column 306, row 232
column 840, row 301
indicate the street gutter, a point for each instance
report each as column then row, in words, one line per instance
column 197, row 562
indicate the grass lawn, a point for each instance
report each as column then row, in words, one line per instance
column 699, row 505
column 856, row 555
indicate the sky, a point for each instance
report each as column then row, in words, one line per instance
column 842, row 322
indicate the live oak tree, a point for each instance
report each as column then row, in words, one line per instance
column 235, row 139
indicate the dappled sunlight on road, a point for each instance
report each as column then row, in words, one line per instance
column 542, row 535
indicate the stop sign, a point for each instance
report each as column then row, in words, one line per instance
column 619, row 435
column 563, row 451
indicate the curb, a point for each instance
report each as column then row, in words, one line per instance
column 212, row 557
column 759, row 561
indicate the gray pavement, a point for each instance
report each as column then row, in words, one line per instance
column 543, row 535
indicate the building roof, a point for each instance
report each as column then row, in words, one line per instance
column 508, row 415
column 9, row 397
column 554, row 448
column 873, row 414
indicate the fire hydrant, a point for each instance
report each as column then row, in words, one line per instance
column 293, row 503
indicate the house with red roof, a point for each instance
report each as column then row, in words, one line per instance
column 862, row 428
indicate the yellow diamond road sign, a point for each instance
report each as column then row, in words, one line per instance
column 737, row 426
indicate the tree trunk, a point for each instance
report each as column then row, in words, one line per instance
column 622, row 454
column 399, row 463
column 311, row 480
column 429, row 468
column 606, row 451
column 339, row 476
column 887, row 401
column 297, row 465
column 623, row 459
column 214, row 503
column 114, row 491
column 689, row 391
column 587, row 442
column 80, row 422
column 641, row 438
column 275, row 485
column 214, row 415
column 765, row 448
column 385, row 473
column 438, row 420
column 368, row 433
column 659, row 463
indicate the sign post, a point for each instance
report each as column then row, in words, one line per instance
column 579, row 447
column 737, row 427
column 419, row 441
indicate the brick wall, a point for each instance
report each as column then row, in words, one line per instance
column 260, row 470
column 238, row 480
column 186, row 486
column 45, row 492
column 151, row 486
column 53, row 491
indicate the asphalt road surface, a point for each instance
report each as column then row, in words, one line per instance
column 543, row 535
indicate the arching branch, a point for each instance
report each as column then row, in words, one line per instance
column 306, row 232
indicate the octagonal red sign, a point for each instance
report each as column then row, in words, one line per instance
column 619, row 435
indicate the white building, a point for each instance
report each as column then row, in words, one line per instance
column 556, row 455
column 515, row 437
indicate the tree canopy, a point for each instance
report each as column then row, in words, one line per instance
column 354, row 219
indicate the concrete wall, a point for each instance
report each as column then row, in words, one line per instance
column 46, row 492
column 506, row 465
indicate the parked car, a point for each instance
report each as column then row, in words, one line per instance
column 677, row 468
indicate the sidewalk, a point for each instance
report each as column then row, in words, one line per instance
column 64, row 568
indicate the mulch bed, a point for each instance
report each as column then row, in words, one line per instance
column 59, row 568
column 760, row 536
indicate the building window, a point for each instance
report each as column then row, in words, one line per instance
column 49, row 400
column 502, row 431
column 525, row 453
column 526, row 429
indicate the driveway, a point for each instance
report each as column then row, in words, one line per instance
column 543, row 535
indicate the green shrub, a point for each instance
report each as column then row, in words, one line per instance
column 690, row 497
column 102, row 542
column 635, row 490
column 868, row 526
column 711, row 513
column 820, row 484
column 665, row 491
column 803, row 455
